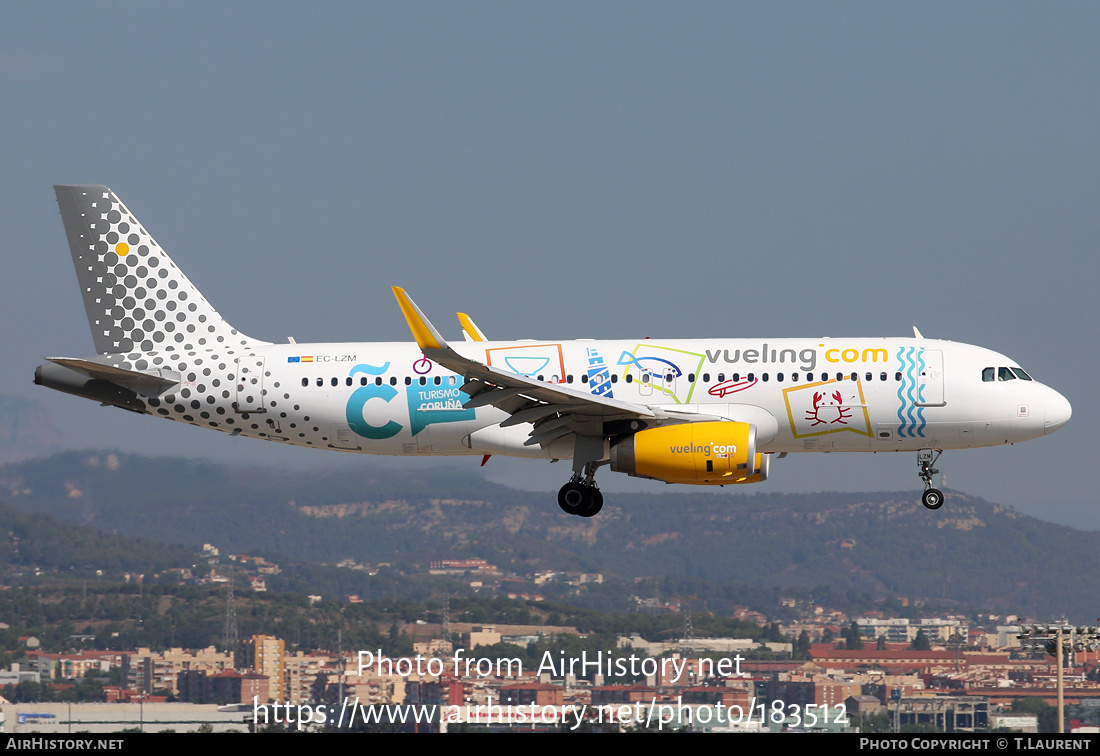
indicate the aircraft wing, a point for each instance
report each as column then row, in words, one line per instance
column 556, row 409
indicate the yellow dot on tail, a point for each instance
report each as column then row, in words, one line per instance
column 122, row 249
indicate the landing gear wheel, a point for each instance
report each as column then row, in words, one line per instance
column 574, row 498
column 932, row 498
column 595, row 503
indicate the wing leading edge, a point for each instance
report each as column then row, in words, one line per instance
column 555, row 409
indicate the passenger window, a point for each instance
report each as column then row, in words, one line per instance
column 1004, row 374
column 569, row 378
column 751, row 377
column 897, row 376
column 393, row 380
column 706, row 377
column 737, row 377
column 423, row 381
column 408, row 381
column 779, row 377
column 882, row 376
column 691, row 377
column 377, row 381
column 764, row 377
column 348, row 380
column 629, row 378
column 438, row 380
column 870, row 377
column 855, row 376
column 584, row 378
column 320, row 381
column 989, row 374
column 614, row 378
column 809, row 376
column 722, row 377
column 541, row 378
column 794, row 377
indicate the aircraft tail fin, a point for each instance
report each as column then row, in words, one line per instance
column 136, row 299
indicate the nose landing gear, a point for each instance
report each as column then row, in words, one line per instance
column 932, row 498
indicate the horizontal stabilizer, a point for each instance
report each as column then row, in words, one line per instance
column 141, row 382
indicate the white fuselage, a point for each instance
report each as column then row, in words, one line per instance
column 802, row 394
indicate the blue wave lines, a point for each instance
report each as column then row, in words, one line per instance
column 910, row 416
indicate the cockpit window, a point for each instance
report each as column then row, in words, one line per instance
column 1021, row 374
column 1004, row 374
column 989, row 374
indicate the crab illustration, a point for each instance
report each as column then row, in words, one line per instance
column 827, row 412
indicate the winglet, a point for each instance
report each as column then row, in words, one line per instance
column 469, row 328
column 917, row 334
column 422, row 330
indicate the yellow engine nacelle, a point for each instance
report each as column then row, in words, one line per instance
column 713, row 453
column 763, row 462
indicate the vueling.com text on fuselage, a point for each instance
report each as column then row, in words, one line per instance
column 806, row 358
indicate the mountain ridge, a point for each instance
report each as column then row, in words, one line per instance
column 882, row 543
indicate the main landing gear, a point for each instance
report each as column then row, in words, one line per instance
column 932, row 498
column 580, row 498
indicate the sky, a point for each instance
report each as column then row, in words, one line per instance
column 579, row 170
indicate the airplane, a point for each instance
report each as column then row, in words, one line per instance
column 711, row 411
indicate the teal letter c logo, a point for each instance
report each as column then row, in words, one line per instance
column 359, row 399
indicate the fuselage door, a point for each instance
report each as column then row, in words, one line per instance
column 668, row 383
column 930, row 383
column 250, row 384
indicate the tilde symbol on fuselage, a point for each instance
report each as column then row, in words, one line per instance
column 823, row 411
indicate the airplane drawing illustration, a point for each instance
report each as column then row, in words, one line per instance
column 707, row 411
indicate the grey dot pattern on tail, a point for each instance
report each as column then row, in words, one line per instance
column 137, row 299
